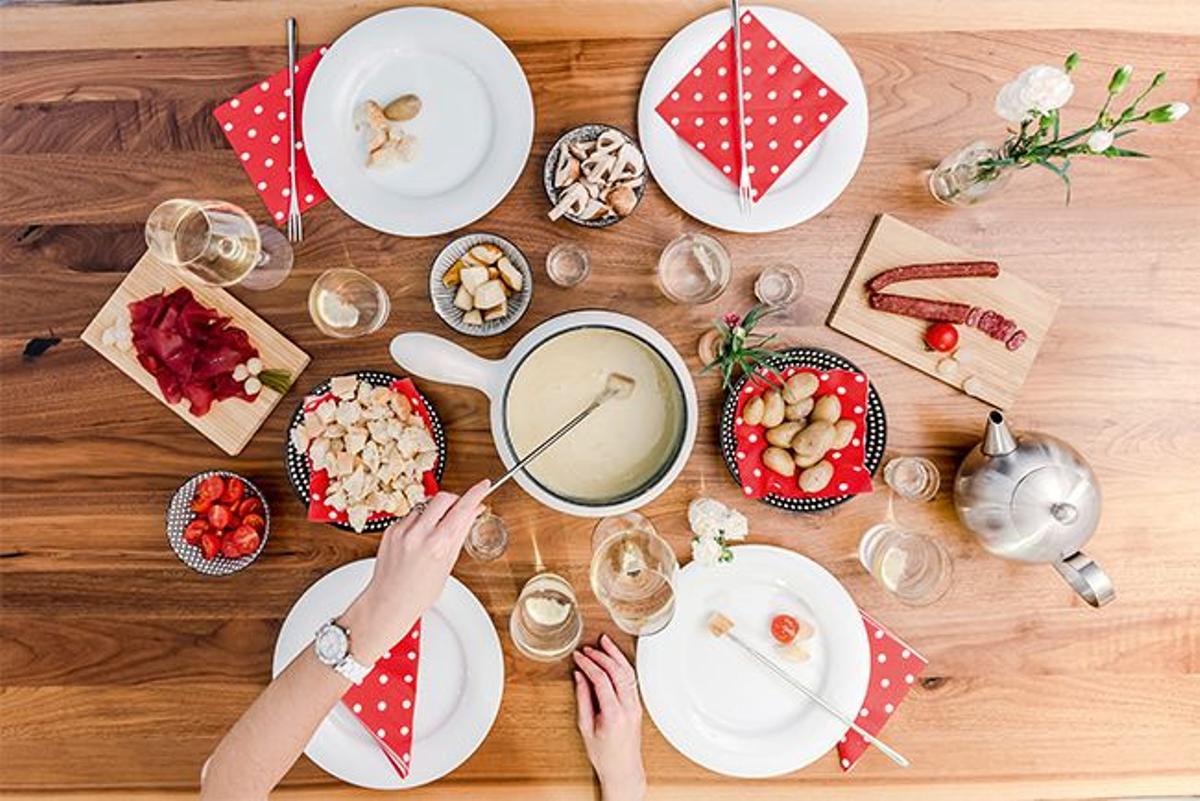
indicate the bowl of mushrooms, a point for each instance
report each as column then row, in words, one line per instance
column 594, row 176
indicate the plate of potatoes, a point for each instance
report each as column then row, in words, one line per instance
column 803, row 429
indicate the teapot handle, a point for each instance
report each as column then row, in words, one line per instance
column 1086, row 578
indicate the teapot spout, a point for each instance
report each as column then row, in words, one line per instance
column 997, row 439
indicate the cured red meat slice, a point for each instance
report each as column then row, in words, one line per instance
column 1005, row 329
column 941, row 269
column 973, row 316
column 1016, row 340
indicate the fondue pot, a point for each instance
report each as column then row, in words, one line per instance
column 438, row 359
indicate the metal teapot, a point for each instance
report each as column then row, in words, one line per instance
column 1033, row 498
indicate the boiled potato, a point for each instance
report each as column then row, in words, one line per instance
column 798, row 411
column 777, row 460
column 774, row 409
column 815, row 439
column 799, row 387
column 807, row 460
column 782, row 434
column 843, row 433
column 817, row 477
column 752, row 412
column 827, row 408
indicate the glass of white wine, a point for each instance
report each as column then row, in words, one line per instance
column 633, row 573
column 345, row 303
column 218, row 244
column 914, row 567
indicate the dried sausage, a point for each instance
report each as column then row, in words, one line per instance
column 944, row 269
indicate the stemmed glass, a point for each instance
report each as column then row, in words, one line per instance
column 633, row 573
column 217, row 244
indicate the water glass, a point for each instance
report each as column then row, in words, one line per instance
column 567, row 264
column 779, row 285
column 545, row 624
column 913, row 478
column 633, row 573
column 488, row 538
column 914, row 567
column 694, row 268
column 345, row 303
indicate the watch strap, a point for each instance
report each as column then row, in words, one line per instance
column 352, row 669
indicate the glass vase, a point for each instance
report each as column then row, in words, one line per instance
column 965, row 177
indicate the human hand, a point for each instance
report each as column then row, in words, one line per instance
column 416, row 555
column 610, row 720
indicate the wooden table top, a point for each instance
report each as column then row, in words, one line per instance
column 120, row 668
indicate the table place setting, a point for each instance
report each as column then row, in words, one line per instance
column 753, row 660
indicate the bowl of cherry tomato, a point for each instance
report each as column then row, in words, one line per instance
column 218, row 522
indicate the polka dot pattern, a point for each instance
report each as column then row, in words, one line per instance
column 776, row 86
column 893, row 664
column 255, row 123
column 386, row 708
column 179, row 514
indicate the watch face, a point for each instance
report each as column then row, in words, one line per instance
column 331, row 644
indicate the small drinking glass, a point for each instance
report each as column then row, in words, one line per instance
column 779, row 285
column 633, row 573
column 218, row 244
column 345, row 303
column 545, row 624
column 568, row 264
column 913, row 478
column 694, row 268
column 914, row 567
column 488, row 538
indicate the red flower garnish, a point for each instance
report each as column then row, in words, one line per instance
column 731, row 320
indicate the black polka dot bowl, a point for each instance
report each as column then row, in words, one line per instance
column 818, row 359
column 296, row 463
column 179, row 514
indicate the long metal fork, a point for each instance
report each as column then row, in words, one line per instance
column 295, row 225
column 745, row 193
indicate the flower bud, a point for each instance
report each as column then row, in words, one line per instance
column 1168, row 113
column 1158, row 79
column 1072, row 61
column 1120, row 79
column 1100, row 141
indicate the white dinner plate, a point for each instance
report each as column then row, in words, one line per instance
column 458, row 694
column 809, row 184
column 718, row 706
column 474, row 129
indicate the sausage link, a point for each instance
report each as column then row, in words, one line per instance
column 941, row 311
column 941, row 269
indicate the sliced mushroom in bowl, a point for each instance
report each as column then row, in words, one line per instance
column 594, row 176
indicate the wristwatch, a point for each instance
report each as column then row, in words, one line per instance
column 332, row 646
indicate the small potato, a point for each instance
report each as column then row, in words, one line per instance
column 774, row 409
column 817, row 477
column 827, row 408
column 752, row 412
column 807, row 460
column 798, row 411
column 843, row 433
column 777, row 460
column 799, row 387
column 815, row 439
column 782, row 435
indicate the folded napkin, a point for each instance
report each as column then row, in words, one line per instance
column 787, row 106
column 849, row 476
column 895, row 668
column 385, row 703
column 256, row 125
column 319, row 481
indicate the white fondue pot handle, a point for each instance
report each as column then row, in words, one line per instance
column 1086, row 578
column 438, row 359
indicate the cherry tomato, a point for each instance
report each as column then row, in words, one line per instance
column 195, row 530
column 255, row 522
column 235, row 490
column 210, row 545
column 212, row 488
column 784, row 628
column 245, row 539
column 942, row 337
column 229, row 548
column 202, row 504
column 219, row 517
column 250, row 506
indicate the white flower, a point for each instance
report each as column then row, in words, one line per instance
column 711, row 518
column 1037, row 90
column 1177, row 110
column 706, row 551
column 1100, row 141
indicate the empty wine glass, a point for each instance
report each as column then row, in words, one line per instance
column 633, row 573
column 914, row 567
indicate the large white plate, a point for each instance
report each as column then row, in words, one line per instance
column 475, row 126
column 723, row 710
column 458, row 696
column 811, row 183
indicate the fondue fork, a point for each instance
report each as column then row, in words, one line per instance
column 617, row 385
column 721, row 626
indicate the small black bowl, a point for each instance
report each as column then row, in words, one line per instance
column 580, row 133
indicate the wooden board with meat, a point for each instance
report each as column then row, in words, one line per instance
column 199, row 350
column 965, row 320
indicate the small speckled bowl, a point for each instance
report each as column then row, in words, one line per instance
column 179, row 514
column 577, row 134
column 443, row 296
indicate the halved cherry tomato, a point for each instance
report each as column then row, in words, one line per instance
column 219, row 517
column 212, row 488
column 250, row 506
column 194, row 530
column 202, row 504
column 229, row 548
column 245, row 538
column 255, row 522
column 210, row 545
column 784, row 628
column 235, row 490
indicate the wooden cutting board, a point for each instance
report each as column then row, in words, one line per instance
column 229, row 423
column 998, row 373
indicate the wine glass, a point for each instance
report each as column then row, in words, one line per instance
column 633, row 573
column 218, row 244
column 345, row 303
column 694, row 268
column 545, row 624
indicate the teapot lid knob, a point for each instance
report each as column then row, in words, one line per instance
column 1065, row 513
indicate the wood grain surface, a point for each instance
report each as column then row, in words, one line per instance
column 120, row 669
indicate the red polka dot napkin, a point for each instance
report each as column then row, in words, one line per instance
column 895, row 668
column 256, row 125
column 319, row 481
column 849, row 476
column 787, row 106
column 385, row 702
